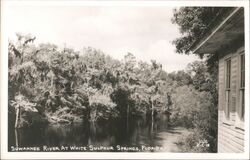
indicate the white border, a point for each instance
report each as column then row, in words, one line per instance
column 95, row 155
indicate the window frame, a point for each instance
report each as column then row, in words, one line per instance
column 239, row 123
column 227, row 88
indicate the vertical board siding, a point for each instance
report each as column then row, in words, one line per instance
column 234, row 60
column 221, row 86
column 230, row 138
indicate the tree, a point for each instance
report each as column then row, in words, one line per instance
column 20, row 74
column 192, row 22
column 200, row 75
column 180, row 77
column 130, row 61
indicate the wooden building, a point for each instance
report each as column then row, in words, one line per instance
column 225, row 37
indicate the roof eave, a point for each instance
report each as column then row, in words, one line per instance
column 197, row 46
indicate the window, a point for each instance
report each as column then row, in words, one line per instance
column 242, row 86
column 228, row 87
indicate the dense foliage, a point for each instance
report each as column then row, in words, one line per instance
column 193, row 23
column 52, row 85
column 64, row 85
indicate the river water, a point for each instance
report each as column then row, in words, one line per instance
column 137, row 134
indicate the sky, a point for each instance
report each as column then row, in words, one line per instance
column 145, row 31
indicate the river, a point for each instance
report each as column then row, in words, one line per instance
column 134, row 135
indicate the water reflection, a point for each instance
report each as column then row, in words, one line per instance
column 136, row 131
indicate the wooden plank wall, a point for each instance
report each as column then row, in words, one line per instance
column 230, row 137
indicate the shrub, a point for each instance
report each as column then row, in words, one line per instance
column 193, row 142
column 101, row 107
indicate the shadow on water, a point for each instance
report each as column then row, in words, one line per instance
column 137, row 131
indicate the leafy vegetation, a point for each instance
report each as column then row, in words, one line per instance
column 54, row 85
column 193, row 23
column 64, row 85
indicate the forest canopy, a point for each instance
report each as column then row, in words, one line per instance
column 48, row 84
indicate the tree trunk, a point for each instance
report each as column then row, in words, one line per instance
column 52, row 79
column 152, row 115
column 167, row 120
column 16, row 137
column 127, row 118
column 17, row 117
column 95, row 118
